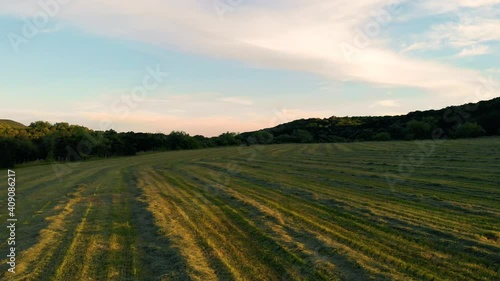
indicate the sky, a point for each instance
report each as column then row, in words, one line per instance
column 212, row 66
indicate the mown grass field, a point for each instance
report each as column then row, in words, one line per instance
column 279, row 212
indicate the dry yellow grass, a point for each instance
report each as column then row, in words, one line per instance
column 33, row 260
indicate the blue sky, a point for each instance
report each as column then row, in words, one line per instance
column 241, row 67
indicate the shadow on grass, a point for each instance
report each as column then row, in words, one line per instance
column 158, row 258
column 345, row 268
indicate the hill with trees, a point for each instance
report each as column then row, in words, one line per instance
column 465, row 121
column 11, row 124
column 48, row 142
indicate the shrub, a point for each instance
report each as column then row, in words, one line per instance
column 469, row 130
column 383, row 136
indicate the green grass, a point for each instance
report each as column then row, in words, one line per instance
column 279, row 212
column 10, row 123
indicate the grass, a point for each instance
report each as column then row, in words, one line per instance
column 279, row 212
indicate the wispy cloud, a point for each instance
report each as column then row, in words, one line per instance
column 468, row 32
column 158, row 100
column 386, row 103
column 299, row 35
column 146, row 121
column 455, row 5
column 430, row 45
column 52, row 29
column 493, row 70
column 238, row 100
column 474, row 51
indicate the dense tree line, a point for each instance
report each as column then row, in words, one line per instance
column 65, row 142
column 465, row 121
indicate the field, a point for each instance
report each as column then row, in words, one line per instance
column 278, row 212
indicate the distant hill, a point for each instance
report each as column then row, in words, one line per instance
column 468, row 120
column 11, row 123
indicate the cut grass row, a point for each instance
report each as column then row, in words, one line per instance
column 280, row 212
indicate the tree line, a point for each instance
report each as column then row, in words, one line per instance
column 43, row 141
column 465, row 121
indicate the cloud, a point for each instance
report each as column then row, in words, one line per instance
column 51, row 29
column 455, row 5
column 431, row 45
column 146, row 121
column 158, row 100
column 300, row 35
column 474, row 51
column 468, row 32
column 238, row 100
column 493, row 70
column 386, row 103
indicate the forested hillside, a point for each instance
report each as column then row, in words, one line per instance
column 64, row 142
column 469, row 120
